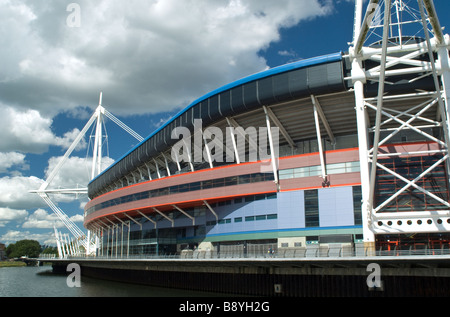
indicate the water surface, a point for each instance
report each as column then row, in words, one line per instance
column 42, row 282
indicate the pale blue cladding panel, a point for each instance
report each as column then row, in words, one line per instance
column 250, row 214
column 336, row 207
column 291, row 210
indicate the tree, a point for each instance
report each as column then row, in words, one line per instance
column 49, row 250
column 29, row 248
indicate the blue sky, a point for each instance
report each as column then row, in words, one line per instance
column 149, row 58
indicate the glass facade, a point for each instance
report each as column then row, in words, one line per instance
column 357, row 201
column 412, row 199
column 207, row 184
column 241, row 221
column 311, row 208
column 307, row 171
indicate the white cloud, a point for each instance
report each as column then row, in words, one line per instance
column 68, row 138
column 146, row 56
column 13, row 236
column 25, row 131
column 10, row 159
column 28, row 131
column 74, row 173
column 77, row 218
column 14, row 192
column 7, row 215
column 43, row 220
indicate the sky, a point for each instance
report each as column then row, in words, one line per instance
column 149, row 58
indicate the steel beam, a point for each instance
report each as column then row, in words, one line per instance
column 134, row 220
column 280, row 126
column 157, row 168
column 167, row 164
column 185, row 213
column 211, row 209
column 236, row 153
column 320, row 145
column 272, row 150
column 165, row 216
column 364, row 27
column 373, row 173
column 358, row 78
column 323, row 118
column 148, row 218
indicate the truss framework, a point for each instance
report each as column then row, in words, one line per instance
column 384, row 118
column 80, row 238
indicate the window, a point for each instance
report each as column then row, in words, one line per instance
column 260, row 197
column 311, row 208
column 244, row 179
column 206, row 184
column 301, row 172
column 195, row 186
column 286, row 174
column 249, row 198
column 316, row 170
column 336, row 168
column 357, row 201
column 229, row 181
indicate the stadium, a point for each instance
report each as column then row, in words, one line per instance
column 347, row 150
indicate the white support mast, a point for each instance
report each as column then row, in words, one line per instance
column 391, row 53
column 97, row 152
column 87, row 240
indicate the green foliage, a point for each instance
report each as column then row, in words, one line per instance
column 29, row 248
column 49, row 250
column 12, row 264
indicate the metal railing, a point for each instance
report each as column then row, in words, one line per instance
column 280, row 253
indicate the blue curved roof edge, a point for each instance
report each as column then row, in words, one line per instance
column 329, row 58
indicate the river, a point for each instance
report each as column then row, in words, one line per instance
column 42, row 282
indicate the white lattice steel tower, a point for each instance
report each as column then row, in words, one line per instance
column 399, row 40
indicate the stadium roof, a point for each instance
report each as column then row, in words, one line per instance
column 316, row 75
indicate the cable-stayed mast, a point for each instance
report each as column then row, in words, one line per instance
column 80, row 236
column 400, row 43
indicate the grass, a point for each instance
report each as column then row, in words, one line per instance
column 12, row 264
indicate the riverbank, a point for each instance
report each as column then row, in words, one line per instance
column 12, row 263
